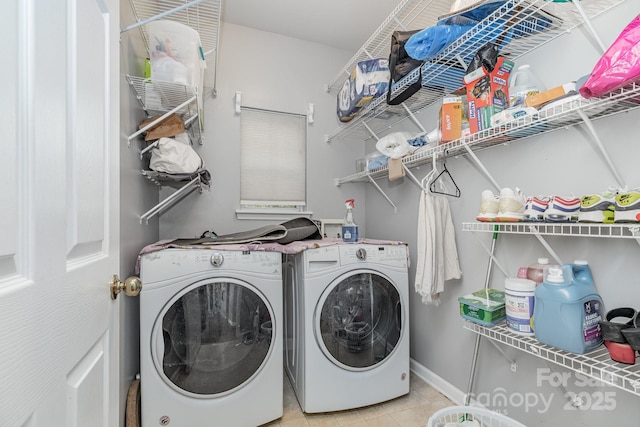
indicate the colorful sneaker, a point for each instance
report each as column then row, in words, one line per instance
column 598, row 207
column 511, row 205
column 628, row 206
column 562, row 209
column 534, row 208
column 488, row 207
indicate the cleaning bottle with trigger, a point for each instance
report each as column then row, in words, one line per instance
column 349, row 228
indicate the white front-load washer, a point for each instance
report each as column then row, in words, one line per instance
column 211, row 338
column 346, row 325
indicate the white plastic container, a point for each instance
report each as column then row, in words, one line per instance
column 523, row 83
column 535, row 271
column 519, row 301
column 176, row 53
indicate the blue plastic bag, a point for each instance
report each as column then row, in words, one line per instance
column 427, row 43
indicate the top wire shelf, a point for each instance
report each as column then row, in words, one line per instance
column 517, row 26
column 408, row 15
column 201, row 15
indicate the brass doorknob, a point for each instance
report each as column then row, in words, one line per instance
column 131, row 286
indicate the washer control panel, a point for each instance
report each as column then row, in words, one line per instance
column 217, row 259
column 384, row 254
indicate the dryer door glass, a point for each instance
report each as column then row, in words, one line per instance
column 360, row 320
column 216, row 337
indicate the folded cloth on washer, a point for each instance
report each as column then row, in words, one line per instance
column 287, row 232
column 294, row 247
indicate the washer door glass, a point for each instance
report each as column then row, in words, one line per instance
column 360, row 320
column 215, row 337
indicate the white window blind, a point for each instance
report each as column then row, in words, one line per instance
column 272, row 159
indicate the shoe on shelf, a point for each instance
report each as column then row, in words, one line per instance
column 562, row 209
column 598, row 207
column 488, row 207
column 511, row 205
column 534, row 208
column 628, row 206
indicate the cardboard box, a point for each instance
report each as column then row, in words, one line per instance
column 487, row 93
column 485, row 307
column 451, row 118
column 171, row 126
column 549, row 95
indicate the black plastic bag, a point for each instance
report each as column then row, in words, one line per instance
column 486, row 57
column 401, row 64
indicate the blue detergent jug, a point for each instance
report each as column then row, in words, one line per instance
column 568, row 308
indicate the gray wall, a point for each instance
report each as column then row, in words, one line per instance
column 562, row 162
column 137, row 195
column 276, row 73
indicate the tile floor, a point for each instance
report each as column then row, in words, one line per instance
column 411, row 410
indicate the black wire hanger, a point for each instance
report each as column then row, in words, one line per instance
column 432, row 186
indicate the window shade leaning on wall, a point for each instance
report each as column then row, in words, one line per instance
column 272, row 158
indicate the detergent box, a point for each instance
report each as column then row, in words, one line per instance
column 368, row 80
column 485, row 307
column 487, row 93
column 451, row 118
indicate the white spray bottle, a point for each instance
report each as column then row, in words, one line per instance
column 349, row 228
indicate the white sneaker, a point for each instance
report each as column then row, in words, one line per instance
column 511, row 205
column 488, row 207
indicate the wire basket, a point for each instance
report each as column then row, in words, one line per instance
column 470, row 416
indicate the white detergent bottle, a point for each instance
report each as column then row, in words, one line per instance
column 523, row 83
column 535, row 271
column 567, row 309
column 349, row 228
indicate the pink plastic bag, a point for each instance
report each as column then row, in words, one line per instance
column 619, row 65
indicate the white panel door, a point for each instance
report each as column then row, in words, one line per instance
column 59, row 213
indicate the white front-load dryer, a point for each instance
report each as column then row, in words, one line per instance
column 211, row 338
column 346, row 325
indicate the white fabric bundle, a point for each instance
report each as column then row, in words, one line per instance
column 175, row 155
column 437, row 258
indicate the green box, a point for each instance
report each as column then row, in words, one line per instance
column 485, row 307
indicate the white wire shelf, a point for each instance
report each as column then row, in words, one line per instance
column 201, row 15
column 168, row 97
column 408, row 15
column 619, row 231
column 596, row 364
column 183, row 189
column 161, row 96
column 563, row 115
column 531, row 23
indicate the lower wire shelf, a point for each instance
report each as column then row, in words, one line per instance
column 596, row 364
column 186, row 185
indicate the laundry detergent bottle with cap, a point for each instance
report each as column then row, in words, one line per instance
column 567, row 310
column 349, row 228
column 523, row 83
column 535, row 271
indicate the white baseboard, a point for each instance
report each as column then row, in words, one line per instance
column 449, row 390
